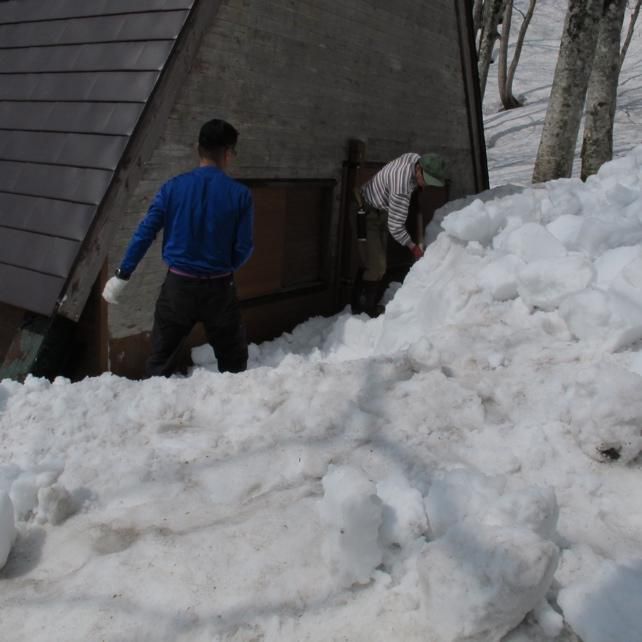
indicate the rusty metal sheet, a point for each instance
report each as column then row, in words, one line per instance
column 136, row 26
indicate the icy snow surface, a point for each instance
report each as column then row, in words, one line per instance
column 465, row 467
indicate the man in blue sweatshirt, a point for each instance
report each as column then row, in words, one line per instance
column 207, row 220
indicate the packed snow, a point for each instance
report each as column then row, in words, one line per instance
column 465, row 467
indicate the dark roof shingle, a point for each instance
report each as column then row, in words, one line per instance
column 74, row 80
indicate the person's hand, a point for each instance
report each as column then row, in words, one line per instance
column 417, row 252
column 113, row 289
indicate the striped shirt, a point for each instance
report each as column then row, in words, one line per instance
column 390, row 189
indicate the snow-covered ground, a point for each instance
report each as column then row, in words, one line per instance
column 512, row 137
column 467, row 467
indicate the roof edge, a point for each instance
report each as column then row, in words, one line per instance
column 130, row 168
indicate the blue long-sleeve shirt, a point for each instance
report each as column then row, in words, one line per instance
column 207, row 220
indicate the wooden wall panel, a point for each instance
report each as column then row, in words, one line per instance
column 263, row 273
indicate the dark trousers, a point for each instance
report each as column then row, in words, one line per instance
column 182, row 303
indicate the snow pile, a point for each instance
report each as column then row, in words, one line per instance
column 464, row 467
column 579, row 253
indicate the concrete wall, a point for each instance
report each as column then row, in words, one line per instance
column 298, row 78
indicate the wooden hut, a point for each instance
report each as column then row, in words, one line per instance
column 101, row 101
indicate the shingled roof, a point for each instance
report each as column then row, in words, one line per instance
column 76, row 76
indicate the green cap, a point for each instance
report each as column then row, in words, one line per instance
column 433, row 168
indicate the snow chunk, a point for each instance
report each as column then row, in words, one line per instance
column 480, row 581
column 567, row 229
column 545, row 283
column 605, row 317
column 606, row 605
column 472, row 223
column 7, row 527
column 612, row 262
column 466, row 495
column 404, row 516
column 24, row 495
column 628, row 283
column 605, row 413
column 458, row 495
column 500, row 277
column 423, row 355
column 533, row 508
column 55, row 504
column 533, row 242
column 351, row 514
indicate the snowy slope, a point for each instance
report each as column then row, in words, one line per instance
column 466, row 467
column 438, row 473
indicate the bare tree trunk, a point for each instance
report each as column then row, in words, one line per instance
column 597, row 146
column 561, row 125
column 492, row 13
column 630, row 30
column 478, row 9
column 518, row 46
column 505, row 79
column 505, row 94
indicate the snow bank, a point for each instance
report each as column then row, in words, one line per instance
column 409, row 477
column 568, row 247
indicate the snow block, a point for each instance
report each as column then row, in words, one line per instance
column 544, row 284
column 472, row 223
column 500, row 277
column 533, row 242
column 404, row 516
column 351, row 514
column 479, row 582
column 603, row 317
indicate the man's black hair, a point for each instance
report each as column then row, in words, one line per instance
column 215, row 137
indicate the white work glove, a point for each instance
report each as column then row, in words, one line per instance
column 113, row 289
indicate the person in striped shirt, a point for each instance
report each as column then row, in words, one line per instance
column 386, row 198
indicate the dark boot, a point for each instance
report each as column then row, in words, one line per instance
column 371, row 296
